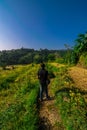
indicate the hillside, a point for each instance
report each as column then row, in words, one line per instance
column 79, row 76
column 19, row 103
column 27, row 56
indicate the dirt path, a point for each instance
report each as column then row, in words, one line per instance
column 49, row 115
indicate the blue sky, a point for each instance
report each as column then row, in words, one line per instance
column 41, row 23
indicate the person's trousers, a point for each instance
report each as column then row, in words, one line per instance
column 43, row 88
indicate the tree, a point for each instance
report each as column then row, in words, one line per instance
column 51, row 57
column 37, row 58
column 26, row 59
column 80, row 46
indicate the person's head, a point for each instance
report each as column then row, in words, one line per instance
column 42, row 65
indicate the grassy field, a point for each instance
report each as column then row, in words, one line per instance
column 19, row 89
column 70, row 100
column 18, row 98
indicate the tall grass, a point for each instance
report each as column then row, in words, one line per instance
column 19, row 105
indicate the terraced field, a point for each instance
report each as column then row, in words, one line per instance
column 20, row 108
column 18, row 98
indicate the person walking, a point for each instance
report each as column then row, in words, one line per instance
column 43, row 78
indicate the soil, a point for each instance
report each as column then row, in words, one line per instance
column 49, row 114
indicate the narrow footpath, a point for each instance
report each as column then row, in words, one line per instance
column 49, row 114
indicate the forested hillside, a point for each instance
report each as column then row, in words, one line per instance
column 26, row 56
column 75, row 55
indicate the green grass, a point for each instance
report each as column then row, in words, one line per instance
column 70, row 101
column 18, row 104
column 18, row 98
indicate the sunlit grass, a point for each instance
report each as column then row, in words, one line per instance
column 15, row 113
column 18, row 97
column 70, row 101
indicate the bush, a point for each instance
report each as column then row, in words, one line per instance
column 60, row 60
column 83, row 60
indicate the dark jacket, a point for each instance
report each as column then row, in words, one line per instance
column 42, row 75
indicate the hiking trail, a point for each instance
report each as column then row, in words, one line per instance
column 49, row 114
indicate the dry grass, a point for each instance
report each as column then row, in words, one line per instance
column 79, row 76
column 57, row 64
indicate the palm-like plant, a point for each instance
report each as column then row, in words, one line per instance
column 80, row 47
column 81, row 44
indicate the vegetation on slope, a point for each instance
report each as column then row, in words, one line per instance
column 80, row 50
column 19, row 88
column 70, row 101
column 27, row 56
column 18, row 102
